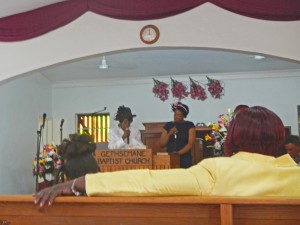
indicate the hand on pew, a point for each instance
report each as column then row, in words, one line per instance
column 47, row 195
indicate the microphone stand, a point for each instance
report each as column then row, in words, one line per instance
column 61, row 136
column 39, row 134
column 95, row 113
column 85, row 129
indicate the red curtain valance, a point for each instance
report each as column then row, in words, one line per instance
column 33, row 23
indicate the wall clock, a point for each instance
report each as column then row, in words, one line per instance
column 149, row 34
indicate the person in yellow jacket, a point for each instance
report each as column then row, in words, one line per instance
column 253, row 139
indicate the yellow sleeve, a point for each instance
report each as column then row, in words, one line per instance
column 196, row 180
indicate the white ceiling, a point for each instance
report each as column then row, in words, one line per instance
column 149, row 63
column 164, row 63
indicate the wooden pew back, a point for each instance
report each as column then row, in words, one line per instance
column 185, row 210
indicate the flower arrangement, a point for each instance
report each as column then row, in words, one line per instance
column 49, row 163
column 179, row 90
column 160, row 90
column 197, row 92
column 215, row 88
column 219, row 131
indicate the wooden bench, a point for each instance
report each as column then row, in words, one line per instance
column 185, row 210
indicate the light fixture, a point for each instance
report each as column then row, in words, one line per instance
column 259, row 57
column 103, row 64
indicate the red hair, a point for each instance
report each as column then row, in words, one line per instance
column 255, row 129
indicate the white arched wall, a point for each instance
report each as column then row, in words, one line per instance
column 206, row 26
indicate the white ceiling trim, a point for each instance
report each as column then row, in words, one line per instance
column 182, row 78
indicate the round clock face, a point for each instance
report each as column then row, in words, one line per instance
column 149, row 34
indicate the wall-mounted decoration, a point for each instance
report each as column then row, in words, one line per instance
column 180, row 90
column 149, row 34
column 197, row 91
column 160, row 90
column 215, row 88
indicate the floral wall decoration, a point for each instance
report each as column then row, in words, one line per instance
column 197, row 92
column 160, row 90
column 180, row 91
column 215, row 88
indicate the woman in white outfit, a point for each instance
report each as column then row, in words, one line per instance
column 124, row 136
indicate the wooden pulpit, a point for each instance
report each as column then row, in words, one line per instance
column 166, row 161
column 127, row 159
column 151, row 136
column 123, row 159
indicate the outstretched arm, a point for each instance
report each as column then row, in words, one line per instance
column 198, row 180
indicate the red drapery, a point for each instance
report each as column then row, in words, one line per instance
column 31, row 24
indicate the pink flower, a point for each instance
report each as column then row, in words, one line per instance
column 215, row 88
column 41, row 169
column 58, row 164
column 197, row 92
column 160, row 90
column 179, row 90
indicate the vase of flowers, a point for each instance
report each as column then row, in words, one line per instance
column 218, row 135
column 179, row 90
column 49, row 164
column 160, row 90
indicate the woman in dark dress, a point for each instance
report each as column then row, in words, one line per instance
column 179, row 135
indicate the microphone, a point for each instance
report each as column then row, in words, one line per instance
column 127, row 137
column 62, row 122
column 99, row 111
column 44, row 119
column 175, row 134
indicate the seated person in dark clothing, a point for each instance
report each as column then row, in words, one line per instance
column 179, row 135
column 292, row 147
column 78, row 156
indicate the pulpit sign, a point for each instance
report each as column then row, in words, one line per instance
column 124, row 159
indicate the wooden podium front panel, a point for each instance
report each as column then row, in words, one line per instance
column 123, row 159
column 152, row 140
column 151, row 136
column 197, row 151
column 166, row 161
